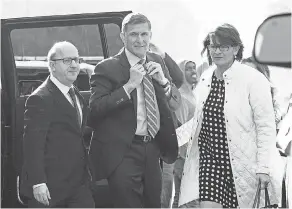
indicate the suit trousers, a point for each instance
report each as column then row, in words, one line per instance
column 136, row 182
column 80, row 198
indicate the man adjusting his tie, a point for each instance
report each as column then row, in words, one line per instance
column 132, row 97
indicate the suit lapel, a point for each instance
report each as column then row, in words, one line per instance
column 62, row 103
column 125, row 69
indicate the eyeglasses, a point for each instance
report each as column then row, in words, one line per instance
column 222, row 48
column 68, row 60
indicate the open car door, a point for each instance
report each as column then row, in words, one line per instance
column 95, row 35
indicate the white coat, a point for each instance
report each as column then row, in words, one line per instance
column 251, row 134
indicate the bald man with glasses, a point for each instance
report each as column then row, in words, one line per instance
column 56, row 170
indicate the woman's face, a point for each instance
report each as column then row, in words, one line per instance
column 222, row 54
column 190, row 73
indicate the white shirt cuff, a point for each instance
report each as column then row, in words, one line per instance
column 127, row 92
column 37, row 185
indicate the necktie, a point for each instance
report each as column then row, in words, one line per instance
column 73, row 97
column 150, row 104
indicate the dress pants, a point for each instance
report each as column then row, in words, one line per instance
column 79, row 198
column 136, row 182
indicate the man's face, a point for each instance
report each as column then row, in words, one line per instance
column 136, row 39
column 66, row 72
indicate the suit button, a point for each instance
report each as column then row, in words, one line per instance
column 175, row 96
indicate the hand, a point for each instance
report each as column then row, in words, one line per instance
column 155, row 71
column 153, row 48
column 42, row 194
column 264, row 178
column 137, row 73
column 87, row 68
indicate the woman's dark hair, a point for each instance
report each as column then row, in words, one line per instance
column 226, row 34
column 206, row 43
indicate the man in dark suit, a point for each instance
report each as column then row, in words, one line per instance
column 55, row 170
column 130, row 112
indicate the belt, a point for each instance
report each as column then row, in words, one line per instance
column 144, row 139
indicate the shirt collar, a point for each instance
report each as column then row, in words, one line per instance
column 133, row 59
column 63, row 88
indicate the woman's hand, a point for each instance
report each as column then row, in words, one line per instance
column 264, row 179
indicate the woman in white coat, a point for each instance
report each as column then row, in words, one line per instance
column 234, row 132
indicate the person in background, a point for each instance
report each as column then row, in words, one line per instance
column 132, row 97
column 284, row 141
column 184, row 113
column 56, row 169
column 264, row 69
column 234, row 133
column 205, row 63
column 167, row 169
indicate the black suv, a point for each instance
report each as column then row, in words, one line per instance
column 94, row 35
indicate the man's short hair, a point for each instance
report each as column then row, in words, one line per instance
column 56, row 50
column 134, row 18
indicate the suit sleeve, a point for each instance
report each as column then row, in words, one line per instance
column 174, row 71
column 36, row 124
column 105, row 98
column 174, row 100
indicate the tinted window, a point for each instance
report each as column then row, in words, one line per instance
column 34, row 43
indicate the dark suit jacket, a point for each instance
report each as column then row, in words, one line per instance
column 113, row 115
column 54, row 150
column 174, row 71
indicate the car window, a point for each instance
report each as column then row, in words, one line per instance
column 115, row 43
column 31, row 45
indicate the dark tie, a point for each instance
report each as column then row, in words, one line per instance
column 73, row 97
column 150, row 104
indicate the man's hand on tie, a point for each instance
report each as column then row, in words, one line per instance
column 155, row 71
column 136, row 76
column 41, row 194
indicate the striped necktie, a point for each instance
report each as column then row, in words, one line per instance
column 150, row 104
column 73, row 97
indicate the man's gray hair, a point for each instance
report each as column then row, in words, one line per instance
column 134, row 18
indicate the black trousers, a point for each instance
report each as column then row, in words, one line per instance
column 80, row 198
column 136, row 182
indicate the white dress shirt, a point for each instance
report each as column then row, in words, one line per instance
column 141, row 109
column 65, row 90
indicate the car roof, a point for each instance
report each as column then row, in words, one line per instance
column 33, row 8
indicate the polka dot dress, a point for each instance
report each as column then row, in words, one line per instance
column 215, row 174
